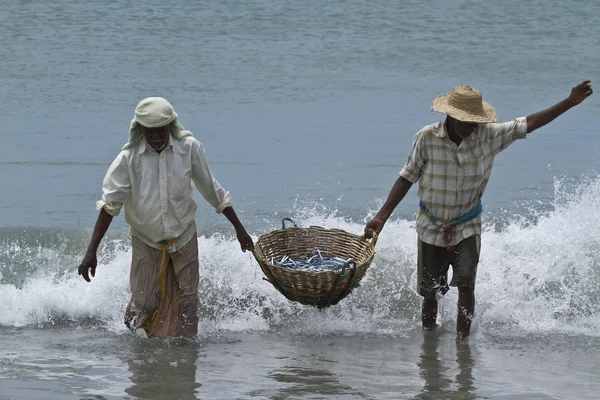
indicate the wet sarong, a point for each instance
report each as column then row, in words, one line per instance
column 174, row 312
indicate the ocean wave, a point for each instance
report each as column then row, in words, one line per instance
column 536, row 275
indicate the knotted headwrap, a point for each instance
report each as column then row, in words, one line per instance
column 153, row 112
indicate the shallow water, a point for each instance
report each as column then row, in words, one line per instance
column 90, row 363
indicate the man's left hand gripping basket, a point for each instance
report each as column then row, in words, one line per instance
column 323, row 288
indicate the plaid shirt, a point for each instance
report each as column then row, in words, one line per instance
column 453, row 178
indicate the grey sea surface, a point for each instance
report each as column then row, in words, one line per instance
column 81, row 364
column 307, row 110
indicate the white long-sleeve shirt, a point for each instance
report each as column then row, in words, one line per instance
column 156, row 190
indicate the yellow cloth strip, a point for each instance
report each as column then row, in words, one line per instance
column 163, row 272
column 163, row 279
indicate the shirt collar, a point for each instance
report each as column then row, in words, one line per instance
column 439, row 129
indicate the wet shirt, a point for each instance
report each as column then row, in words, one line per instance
column 156, row 190
column 452, row 178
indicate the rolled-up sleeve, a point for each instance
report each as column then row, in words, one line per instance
column 416, row 161
column 504, row 134
column 205, row 182
column 116, row 186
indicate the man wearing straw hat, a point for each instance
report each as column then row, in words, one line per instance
column 152, row 178
column 452, row 160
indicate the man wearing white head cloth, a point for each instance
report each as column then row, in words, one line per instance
column 152, row 179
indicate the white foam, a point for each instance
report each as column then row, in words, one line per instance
column 541, row 278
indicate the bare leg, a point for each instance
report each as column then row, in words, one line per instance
column 429, row 313
column 466, row 310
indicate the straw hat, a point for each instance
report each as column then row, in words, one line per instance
column 465, row 104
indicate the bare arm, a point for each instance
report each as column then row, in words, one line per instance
column 90, row 260
column 399, row 190
column 541, row 118
column 245, row 240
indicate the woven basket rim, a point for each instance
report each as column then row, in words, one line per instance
column 296, row 228
column 267, row 262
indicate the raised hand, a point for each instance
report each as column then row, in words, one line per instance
column 580, row 92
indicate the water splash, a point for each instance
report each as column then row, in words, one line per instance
column 537, row 275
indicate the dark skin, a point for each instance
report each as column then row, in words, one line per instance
column 157, row 138
column 457, row 131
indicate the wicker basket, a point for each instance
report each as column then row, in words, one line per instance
column 321, row 289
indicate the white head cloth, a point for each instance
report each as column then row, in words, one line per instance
column 153, row 112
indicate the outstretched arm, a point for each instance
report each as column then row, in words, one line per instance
column 90, row 260
column 399, row 190
column 541, row 118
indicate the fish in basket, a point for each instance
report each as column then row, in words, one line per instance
column 313, row 266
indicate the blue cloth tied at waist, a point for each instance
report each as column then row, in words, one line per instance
column 473, row 213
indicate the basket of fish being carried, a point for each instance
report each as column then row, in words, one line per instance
column 314, row 266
